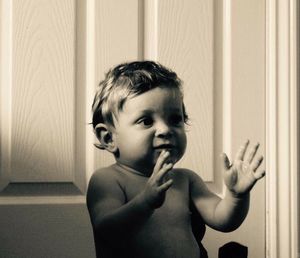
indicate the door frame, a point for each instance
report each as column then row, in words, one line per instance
column 282, row 181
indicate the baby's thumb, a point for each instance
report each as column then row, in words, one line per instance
column 230, row 178
column 226, row 162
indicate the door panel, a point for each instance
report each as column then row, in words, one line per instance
column 39, row 95
column 42, row 91
column 43, row 170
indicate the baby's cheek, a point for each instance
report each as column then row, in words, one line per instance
column 172, row 159
column 182, row 143
column 175, row 156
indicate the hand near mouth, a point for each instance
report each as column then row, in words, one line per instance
column 158, row 184
column 171, row 149
column 164, row 147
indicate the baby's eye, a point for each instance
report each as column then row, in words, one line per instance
column 146, row 121
column 176, row 120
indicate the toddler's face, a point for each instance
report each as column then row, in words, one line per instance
column 149, row 123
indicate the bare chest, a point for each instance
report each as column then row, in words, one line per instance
column 176, row 207
column 168, row 232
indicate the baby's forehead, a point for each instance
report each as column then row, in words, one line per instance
column 157, row 98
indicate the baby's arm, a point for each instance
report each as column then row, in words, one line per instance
column 113, row 219
column 228, row 213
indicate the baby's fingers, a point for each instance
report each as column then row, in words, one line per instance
column 255, row 165
column 241, row 152
column 165, row 186
column 162, row 173
column 252, row 153
column 259, row 175
column 160, row 161
column 226, row 162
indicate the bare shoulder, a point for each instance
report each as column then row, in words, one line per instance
column 187, row 174
column 101, row 177
column 103, row 185
column 196, row 183
column 105, row 173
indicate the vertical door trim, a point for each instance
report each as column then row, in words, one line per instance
column 151, row 30
column 281, row 129
column 5, row 91
column 90, row 82
column 227, row 78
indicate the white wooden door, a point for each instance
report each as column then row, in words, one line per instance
column 43, row 172
column 53, row 54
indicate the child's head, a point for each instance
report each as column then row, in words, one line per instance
column 137, row 111
column 128, row 80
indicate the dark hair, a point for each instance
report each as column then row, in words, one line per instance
column 130, row 79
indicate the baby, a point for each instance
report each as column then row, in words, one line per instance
column 141, row 206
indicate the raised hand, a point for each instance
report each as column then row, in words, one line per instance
column 242, row 174
column 158, row 184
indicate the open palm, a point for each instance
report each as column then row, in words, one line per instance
column 242, row 174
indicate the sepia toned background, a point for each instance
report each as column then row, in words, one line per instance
column 55, row 52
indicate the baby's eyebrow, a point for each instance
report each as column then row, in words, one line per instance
column 141, row 113
column 145, row 112
column 176, row 109
column 151, row 111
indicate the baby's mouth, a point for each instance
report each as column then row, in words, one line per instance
column 166, row 147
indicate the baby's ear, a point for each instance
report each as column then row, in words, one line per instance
column 105, row 137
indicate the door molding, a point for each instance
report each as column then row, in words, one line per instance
column 281, row 129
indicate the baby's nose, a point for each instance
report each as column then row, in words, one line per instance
column 163, row 130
